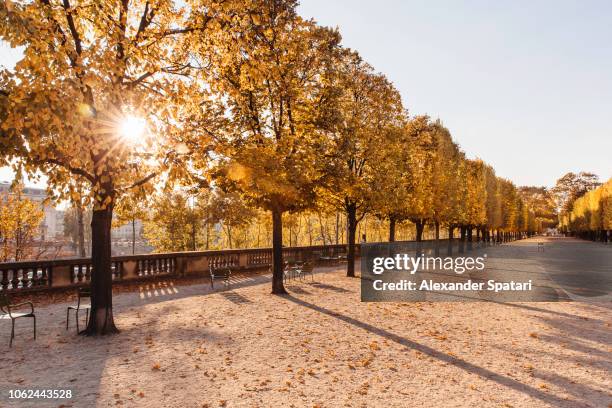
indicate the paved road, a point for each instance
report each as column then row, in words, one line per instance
column 582, row 268
column 563, row 269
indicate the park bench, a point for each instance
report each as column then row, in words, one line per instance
column 540, row 246
column 7, row 310
column 221, row 273
column 83, row 303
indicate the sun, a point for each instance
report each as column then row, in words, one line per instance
column 132, row 128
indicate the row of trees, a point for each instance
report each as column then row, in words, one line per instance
column 240, row 97
column 590, row 215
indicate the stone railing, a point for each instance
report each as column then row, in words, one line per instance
column 62, row 273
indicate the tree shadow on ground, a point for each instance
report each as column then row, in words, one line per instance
column 441, row 356
column 236, row 298
column 297, row 289
column 333, row 288
column 579, row 391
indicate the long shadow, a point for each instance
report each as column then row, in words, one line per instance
column 236, row 298
column 515, row 305
column 570, row 386
column 297, row 289
column 457, row 362
column 330, row 287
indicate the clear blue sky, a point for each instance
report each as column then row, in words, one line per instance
column 524, row 85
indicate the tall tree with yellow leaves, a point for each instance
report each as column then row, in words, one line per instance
column 92, row 99
column 267, row 65
column 366, row 110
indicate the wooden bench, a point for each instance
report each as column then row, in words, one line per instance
column 540, row 246
column 222, row 273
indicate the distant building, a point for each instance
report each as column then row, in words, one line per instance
column 53, row 223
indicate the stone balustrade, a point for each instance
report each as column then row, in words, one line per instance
column 44, row 275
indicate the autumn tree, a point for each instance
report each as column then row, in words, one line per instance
column 493, row 203
column 422, row 144
column 20, row 223
column 129, row 209
column 77, row 228
column 174, row 223
column 266, row 65
column 572, row 186
column 92, row 98
column 364, row 110
column 541, row 202
column 230, row 212
column 591, row 214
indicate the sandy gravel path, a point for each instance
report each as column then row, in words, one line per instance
column 183, row 346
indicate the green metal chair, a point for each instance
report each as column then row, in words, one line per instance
column 8, row 312
column 220, row 273
column 305, row 269
column 83, row 303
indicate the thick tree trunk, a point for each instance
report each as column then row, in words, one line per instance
column 450, row 240
column 277, row 253
column 101, row 314
column 420, row 226
column 391, row 229
column 351, row 217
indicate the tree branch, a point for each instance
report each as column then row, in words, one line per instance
column 75, row 170
column 72, row 27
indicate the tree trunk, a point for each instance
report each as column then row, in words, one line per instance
column 420, row 226
column 193, row 236
column 228, row 230
column 337, row 227
column 80, row 231
column 437, row 237
column 392, row 229
column 133, row 236
column 469, row 238
column 277, row 253
column 351, row 216
column 322, row 228
column 101, row 313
